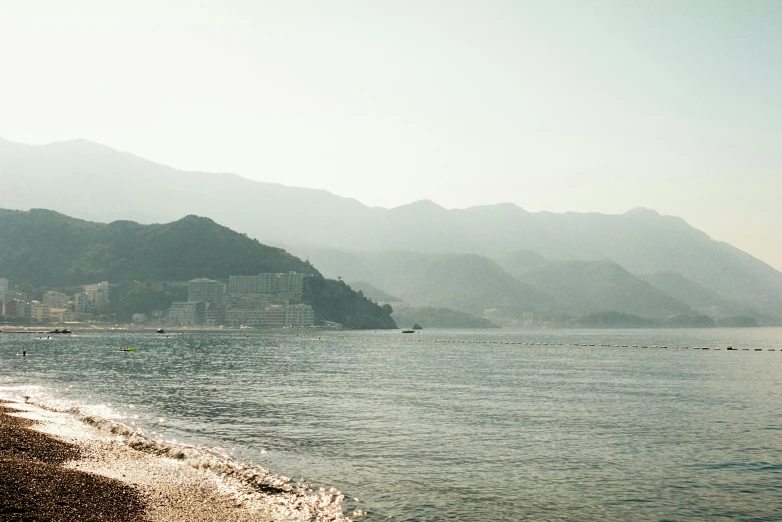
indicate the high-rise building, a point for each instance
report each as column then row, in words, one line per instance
column 187, row 313
column 206, row 290
column 98, row 295
column 80, row 305
column 11, row 307
column 290, row 285
column 40, row 312
column 299, row 315
column 55, row 299
column 17, row 308
column 3, row 290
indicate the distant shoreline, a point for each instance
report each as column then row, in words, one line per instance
column 4, row 329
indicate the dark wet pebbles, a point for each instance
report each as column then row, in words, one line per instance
column 35, row 486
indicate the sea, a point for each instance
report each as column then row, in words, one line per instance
column 448, row 424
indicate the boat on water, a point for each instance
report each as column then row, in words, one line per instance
column 58, row 331
column 160, row 330
column 408, row 331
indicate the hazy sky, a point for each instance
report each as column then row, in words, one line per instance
column 553, row 105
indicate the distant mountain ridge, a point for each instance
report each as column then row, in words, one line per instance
column 524, row 286
column 465, row 282
column 588, row 287
column 95, row 182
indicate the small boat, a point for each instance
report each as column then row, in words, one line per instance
column 160, row 330
column 408, row 331
column 126, row 349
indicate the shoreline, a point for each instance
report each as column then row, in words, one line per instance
column 35, row 484
column 81, row 328
column 54, row 466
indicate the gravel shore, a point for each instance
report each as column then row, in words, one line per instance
column 34, row 485
column 49, row 474
column 55, row 468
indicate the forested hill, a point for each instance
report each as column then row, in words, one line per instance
column 45, row 249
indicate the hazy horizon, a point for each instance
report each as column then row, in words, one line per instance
column 562, row 106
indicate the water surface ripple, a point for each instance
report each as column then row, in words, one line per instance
column 452, row 430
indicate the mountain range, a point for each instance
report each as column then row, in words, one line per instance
column 498, row 256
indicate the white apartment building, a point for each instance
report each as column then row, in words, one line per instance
column 272, row 315
column 299, row 315
column 80, row 305
column 55, row 299
column 187, row 313
column 267, row 284
column 3, row 290
column 206, row 290
column 98, row 295
column 40, row 312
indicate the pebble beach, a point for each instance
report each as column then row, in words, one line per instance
column 52, row 467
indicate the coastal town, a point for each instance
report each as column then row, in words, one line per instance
column 265, row 300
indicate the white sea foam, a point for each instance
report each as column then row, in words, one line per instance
column 170, row 473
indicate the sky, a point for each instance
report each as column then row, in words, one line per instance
column 589, row 106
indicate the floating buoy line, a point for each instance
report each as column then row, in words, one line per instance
column 533, row 343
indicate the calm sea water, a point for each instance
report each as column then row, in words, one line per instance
column 454, row 430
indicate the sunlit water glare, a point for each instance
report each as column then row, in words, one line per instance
column 423, row 430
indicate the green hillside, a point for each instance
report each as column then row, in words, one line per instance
column 45, row 249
